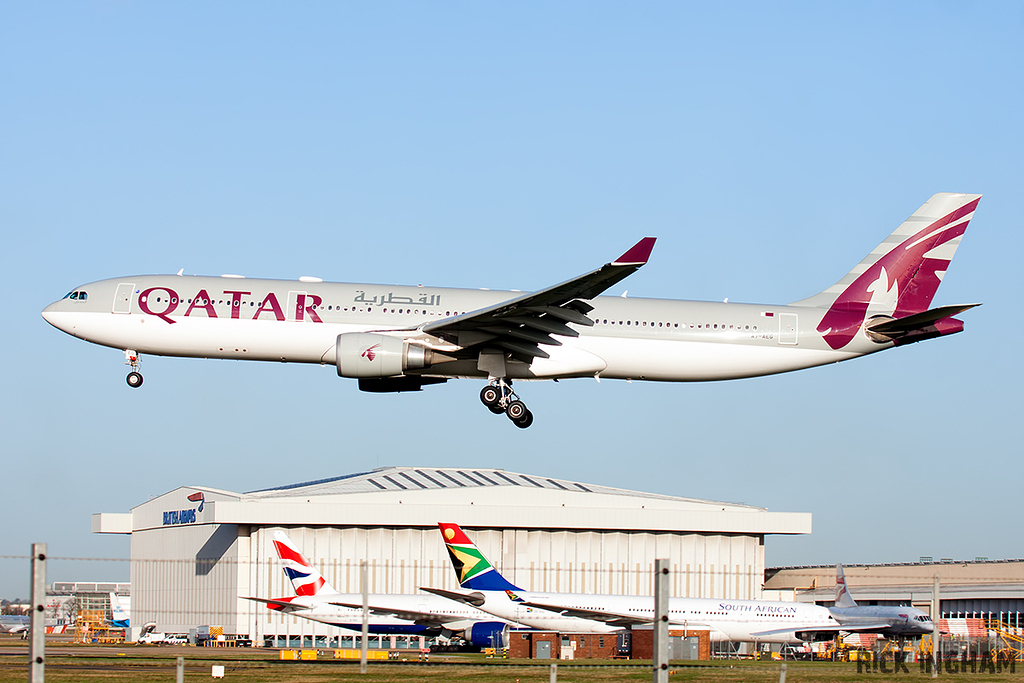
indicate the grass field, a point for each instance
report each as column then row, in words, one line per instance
column 132, row 663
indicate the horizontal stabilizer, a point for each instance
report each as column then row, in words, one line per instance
column 918, row 321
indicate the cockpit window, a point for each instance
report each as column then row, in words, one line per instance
column 77, row 295
column 82, row 296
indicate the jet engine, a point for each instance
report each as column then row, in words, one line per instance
column 364, row 354
column 815, row 636
column 487, row 634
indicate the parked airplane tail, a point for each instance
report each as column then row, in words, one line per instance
column 843, row 597
column 119, row 616
column 304, row 576
column 899, row 278
column 471, row 567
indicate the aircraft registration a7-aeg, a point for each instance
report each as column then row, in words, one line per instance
column 401, row 338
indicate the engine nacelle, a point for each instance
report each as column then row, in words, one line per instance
column 364, row 354
column 487, row 634
column 815, row 636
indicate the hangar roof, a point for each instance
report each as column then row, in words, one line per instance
column 420, row 478
column 419, row 497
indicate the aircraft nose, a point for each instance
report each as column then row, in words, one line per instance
column 55, row 316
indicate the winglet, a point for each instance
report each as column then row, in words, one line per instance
column 637, row 254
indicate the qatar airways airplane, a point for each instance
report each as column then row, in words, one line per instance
column 398, row 338
column 726, row 620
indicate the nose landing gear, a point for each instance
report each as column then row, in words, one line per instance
column 134, row 378
column 499, row 398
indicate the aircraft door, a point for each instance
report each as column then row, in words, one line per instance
column 123, row 298
column 788, row 329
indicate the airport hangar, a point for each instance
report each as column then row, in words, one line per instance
column 197, row 552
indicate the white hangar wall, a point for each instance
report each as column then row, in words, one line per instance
column 194, row 561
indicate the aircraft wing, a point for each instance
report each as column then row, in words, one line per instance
column 424, row 618
column 860, row 628
column 474, row 599
column 610, row 618
column 283, row 605
column 522, row 324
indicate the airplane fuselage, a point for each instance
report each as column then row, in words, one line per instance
column 727, row 620
column 903, row 621
column 292, row 321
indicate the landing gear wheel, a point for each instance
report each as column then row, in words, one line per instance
column 525, row 421
column 496, row 409
column 516, row 410
column 134, row 380
column 490, row 396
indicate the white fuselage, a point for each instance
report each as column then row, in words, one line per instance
column 289, row 321
column 727, row 620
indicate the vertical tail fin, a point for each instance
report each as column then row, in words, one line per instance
column 304, row 576
column 901, row 275
column 119, row 616
column 843, row 597
column 471, row 567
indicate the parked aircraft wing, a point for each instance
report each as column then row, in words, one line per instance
column 610, row 618
column 860, row 628
column 283, row 605
column 474, row 599
column 522, row 324
column 424, row 618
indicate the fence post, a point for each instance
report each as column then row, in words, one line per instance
column 179, row 675
column 366, row 617
column 936, row 635
column 553, row 676
column 661, row 644
column 37, row 624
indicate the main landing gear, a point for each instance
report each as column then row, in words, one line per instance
column 134, row 377
column 499, row 398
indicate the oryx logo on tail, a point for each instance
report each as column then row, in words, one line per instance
column 900, row 277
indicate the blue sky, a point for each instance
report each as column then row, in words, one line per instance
column 768, row 147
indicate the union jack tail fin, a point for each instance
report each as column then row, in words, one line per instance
column 843, row 597
column 304, row 576
column 471, row 567
column 900, row 276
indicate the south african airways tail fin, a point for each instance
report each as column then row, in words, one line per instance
column 843, row 597
column 304, row 576
column 471, row 567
